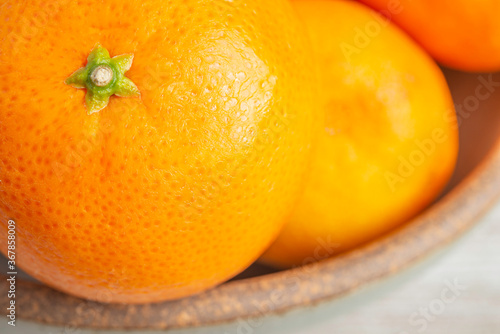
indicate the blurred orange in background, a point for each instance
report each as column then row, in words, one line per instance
column 463, row 34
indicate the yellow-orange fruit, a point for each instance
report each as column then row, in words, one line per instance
column 389, row 140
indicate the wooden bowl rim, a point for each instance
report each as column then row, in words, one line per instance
column 279, row 292
column 275, row 293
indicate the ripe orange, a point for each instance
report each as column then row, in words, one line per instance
column 388, row 143
column 464, row 34
column 163, row 194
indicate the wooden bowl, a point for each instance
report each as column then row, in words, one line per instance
column 260, row 290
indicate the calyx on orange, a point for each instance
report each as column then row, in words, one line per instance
column 180, row 185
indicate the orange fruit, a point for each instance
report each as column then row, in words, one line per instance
column 463, row 34
column 388, row 143
column 173, row 189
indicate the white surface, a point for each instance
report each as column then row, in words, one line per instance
column 395, row 306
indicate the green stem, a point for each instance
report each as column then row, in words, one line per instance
column 103, row 77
